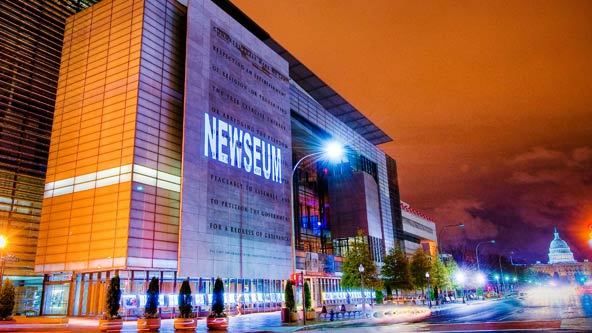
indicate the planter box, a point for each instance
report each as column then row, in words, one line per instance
column 311, row 315
column 148, row 324
column 39, row 320
column 187, row 324
column 214, row 323
column 110, row 325
column 293, row 316
column 285, row 315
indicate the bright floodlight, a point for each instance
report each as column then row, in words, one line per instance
column 460, row 277
column 3, row 241
column 334, row 150
column 428, row 275
column 480, row 279
column 496, row 277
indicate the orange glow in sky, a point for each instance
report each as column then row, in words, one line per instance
column 489, row 103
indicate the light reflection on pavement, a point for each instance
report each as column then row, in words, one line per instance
column 524, row 313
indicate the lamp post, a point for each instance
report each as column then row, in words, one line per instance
column 501, row 273
column 460, row 279
column 3, row 243
column 477, row 251
column 427, row 275
column 332, row 150
column 480, row 281
column 460, row 225
column 497, row 280
column 361, row 270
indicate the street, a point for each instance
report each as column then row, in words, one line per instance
column 572, row 313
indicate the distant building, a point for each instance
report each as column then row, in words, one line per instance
column 559, row 251
column 418, row 231
column 562, row 263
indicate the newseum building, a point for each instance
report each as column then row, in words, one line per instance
column 176, row 129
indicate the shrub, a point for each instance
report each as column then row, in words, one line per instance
column 289, row 297
column 307, row 300
column 7, row 300
column 379, row 296
column 218, row 299
column 185, row 300
column 151, row 309
column 113, row 298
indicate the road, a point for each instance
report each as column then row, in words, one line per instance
column 570, row 313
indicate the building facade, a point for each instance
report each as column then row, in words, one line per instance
column 419, row 231
column 174, row 133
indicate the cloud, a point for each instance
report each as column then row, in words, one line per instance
column 552, row 188
column 464, row 211
column 545, row 176
column 583, row 154
column 536, row 155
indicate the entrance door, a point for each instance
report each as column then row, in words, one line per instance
column 56, row 299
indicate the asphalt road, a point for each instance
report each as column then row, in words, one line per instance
column 509, row 314
column 510, row 309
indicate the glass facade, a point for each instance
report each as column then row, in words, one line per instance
column 87, row 204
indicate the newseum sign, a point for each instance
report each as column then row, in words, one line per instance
column 235, row 214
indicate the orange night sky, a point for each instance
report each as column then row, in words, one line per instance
column 489, row 103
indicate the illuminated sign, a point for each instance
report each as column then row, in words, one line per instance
column 226, row 143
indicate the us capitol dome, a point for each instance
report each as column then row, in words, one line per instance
column 559, row 251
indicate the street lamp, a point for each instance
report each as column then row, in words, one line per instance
column 361, row 270
column 3, row 244
column 460, row 225
column 477, row 251
column 427, row 275
column 497, row 282
column 460, row 278
column 480, row 279
column 333, row 151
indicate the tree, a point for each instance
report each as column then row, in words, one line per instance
column 218, row 299
column 289, row 297
column 420, row 265
column 151, row 308
column 451, row 269
column 113, row 298
column 185, row 300
column 307, row 299
column 357, row 254
column 7, row 295
column 395, row 271
column 438, row 276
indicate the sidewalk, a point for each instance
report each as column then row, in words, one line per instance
column 577, row 323
column 256, row 322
